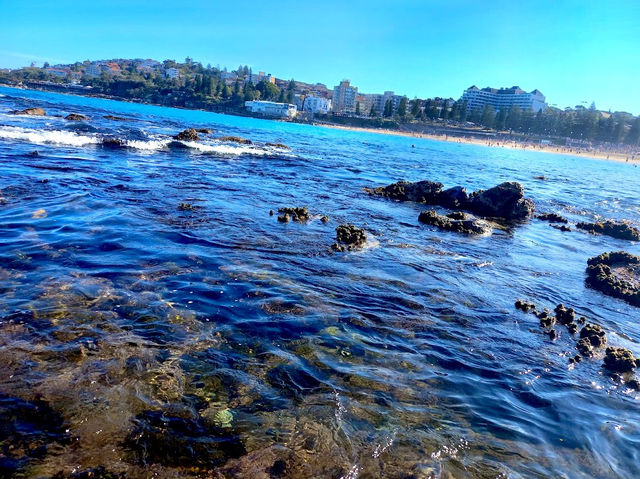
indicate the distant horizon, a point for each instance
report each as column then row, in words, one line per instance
column 575, row 54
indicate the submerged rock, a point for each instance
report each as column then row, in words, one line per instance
column 278, row 145
column 615, row 274
column 115, row 118
column 561, row 227
column 564, row 315
column 177, row 441
column 525, row 306
column 349, row 237
column 467, row 226
column 111, row 142
column 205, row 131
column 552, row 218
column 503, row 201
column 29, row 111
column 620, row 230
column 75, row 117
column 298, row 213
column 187, row 135
column 620, row 360
column 235, row 139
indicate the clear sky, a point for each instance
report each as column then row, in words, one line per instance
column 574, row 51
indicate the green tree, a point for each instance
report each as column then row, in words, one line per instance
column 358, row 108
column 488, row 116
column 268, row 91
column 415, row 108
column 373, row 112
column 402, row 107
column 633, row 136
column 514, row 118
column 501, row 119
column 388, row 109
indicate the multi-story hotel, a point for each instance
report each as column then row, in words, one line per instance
column 503, row 98
column 344, row 97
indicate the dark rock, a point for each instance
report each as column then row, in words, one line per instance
column 29, row 111
column 278, row 145
column 540, row 177
column 187, row 207
column 284, row 218
column 455, row 197
column 552, row 218
column 572, row 328
column 564, row 315
column 553, row 334
column 298, row 213
column 271, row 212
column 187, row 135
column 349, row 237
column 111, row 142
column 176, row 441
column 457, row 215
column 205, row 131
column 324, row 219
column 503, row 201
column 634, row 384
column 591, row 336
column 33, row 153
column 620, row 230
column 421, row 192
column 76, row 117
column 467, row 226
column 27, row 430
column 620, row 360
column 235, row 139
column 561, row 227
column 93, row 473
column 616, row 274
column 525, row 306
column 115, row 118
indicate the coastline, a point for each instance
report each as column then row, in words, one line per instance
column 490, row 143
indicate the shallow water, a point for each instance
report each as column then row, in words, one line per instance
column 151, row 339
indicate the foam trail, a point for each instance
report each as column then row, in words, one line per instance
column 41, row 137
column 150, row 145
column 224, row 149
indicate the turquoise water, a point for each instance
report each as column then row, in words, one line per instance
column 152, row 339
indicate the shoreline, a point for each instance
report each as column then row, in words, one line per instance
column 633, row 159
column 492, row 143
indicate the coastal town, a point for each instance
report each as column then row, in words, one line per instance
column 505, row 115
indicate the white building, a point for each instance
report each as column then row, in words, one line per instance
column 344, row 97
column 271, row 108
column 315, row 104
column 93, row 70
column 260, row 76
column 172, row 72
column 503, row 98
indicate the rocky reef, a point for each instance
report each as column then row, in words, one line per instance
column 75, row 117
column 616, row 274
column 505, row 201
column 552, row 218
column 456, row 221
column 189, row 134
column 620, row 230
column 235, row 139
column 349, row 237
column 299, row 214
column 29, row 111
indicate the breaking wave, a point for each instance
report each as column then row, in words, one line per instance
column 41, row 137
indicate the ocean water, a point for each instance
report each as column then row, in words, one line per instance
column 214, row 341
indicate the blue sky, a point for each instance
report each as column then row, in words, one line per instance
column 573, row 51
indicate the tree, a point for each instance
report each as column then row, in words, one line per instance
column 388, row 109
column 501, row 119
column 358, row 108
column 514, row 118
column 268, row 91
column 633, row 136
column 373, row 112
column 46, row 65
column 415, row 108
column 488, row 116
column 402, row 107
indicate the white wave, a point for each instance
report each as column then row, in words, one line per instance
column 224, row 149
column 150, row 145
column 41, row 137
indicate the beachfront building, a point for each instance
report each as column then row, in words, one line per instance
column 477, row 98
column 344, row 97
column 271, row 108
column 59, row 72
column 315, row 104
